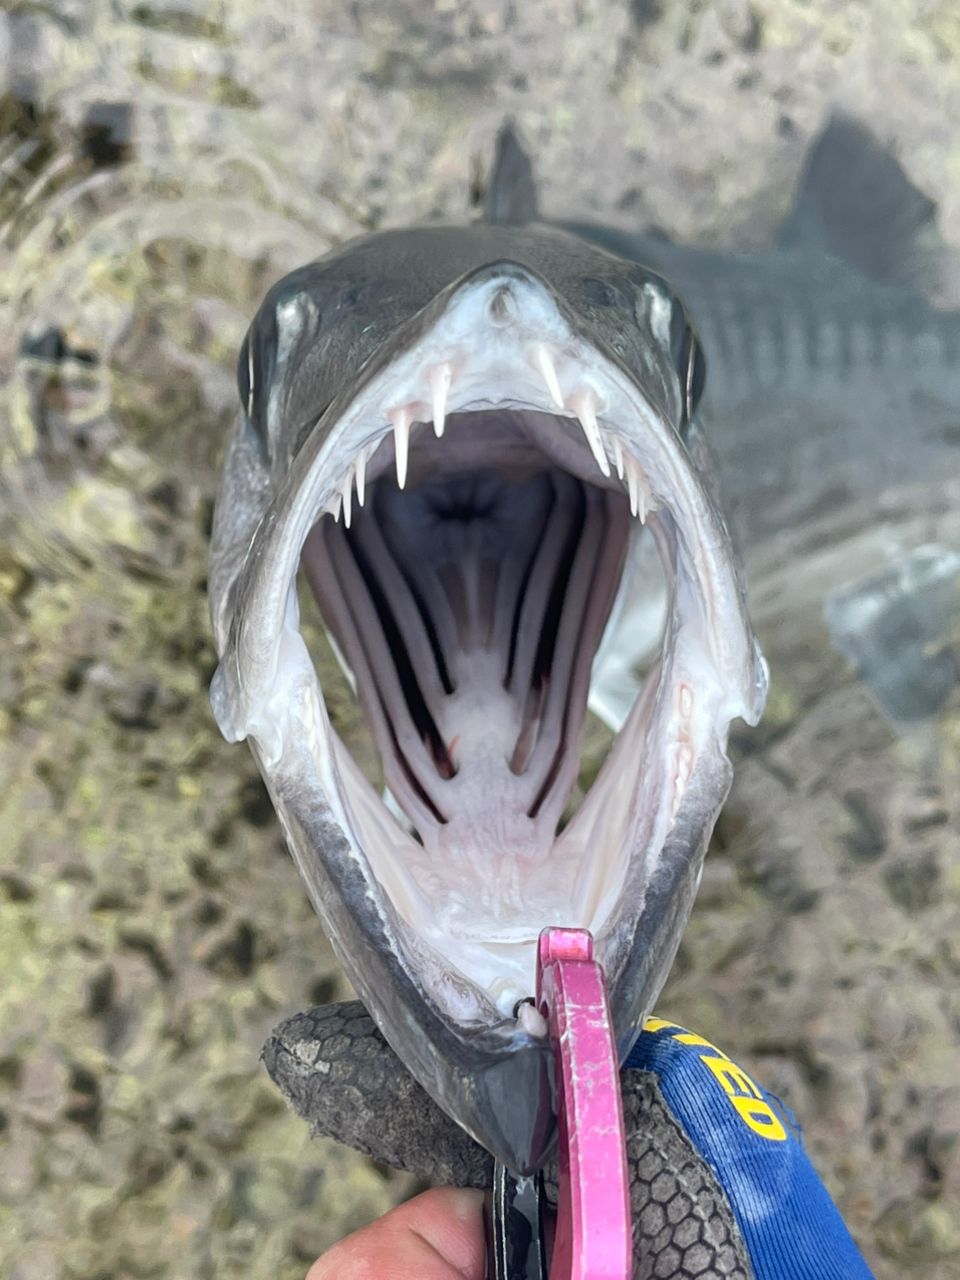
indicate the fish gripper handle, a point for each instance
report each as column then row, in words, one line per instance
column 593, row 1238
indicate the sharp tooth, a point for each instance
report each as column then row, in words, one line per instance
column 363, row 458
column 584, row 407
column 347, row 493
column 647, row 503
column 544, row 362
column 618, row 454
column 440, row 378
column 532, row 1020
column 401, row 439
column 633, row 487
column 334, row 505
column 641, row 498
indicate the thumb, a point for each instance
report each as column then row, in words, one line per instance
column 436, row 1236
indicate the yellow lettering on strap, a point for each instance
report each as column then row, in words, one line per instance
column 733, row 1078
column 736, row 1084
column 759, row 1116
column 690, row 1037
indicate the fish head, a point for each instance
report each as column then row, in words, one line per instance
column 461, row 437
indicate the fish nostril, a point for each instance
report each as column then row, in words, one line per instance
column 501, row 306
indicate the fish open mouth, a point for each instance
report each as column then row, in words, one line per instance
column 468, row 606
column 468, row 520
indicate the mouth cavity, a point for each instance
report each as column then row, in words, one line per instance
column 468, row 609
column 471, row 522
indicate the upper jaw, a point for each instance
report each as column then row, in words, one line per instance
column 449, row 1028
column 397, row 384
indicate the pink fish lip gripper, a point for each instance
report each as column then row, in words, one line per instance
column 593, row 1237
column 593, row 1231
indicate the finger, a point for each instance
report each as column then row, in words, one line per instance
column 436, row 1236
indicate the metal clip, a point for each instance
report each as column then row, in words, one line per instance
column 516, row 1240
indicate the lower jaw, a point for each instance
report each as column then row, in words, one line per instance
column 446, row 1003
column 479, row 1064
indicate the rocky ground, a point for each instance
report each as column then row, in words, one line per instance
column 152, row 928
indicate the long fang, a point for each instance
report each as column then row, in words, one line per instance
column 618, row 454
column 440, row 379
column 637, row 485
column 361, row 465
column 401, row 438
column 544, row 363
column 583, row 405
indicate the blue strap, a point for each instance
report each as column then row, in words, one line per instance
column 790, row 1225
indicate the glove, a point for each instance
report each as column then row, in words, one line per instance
column 720, row 1186
column 788, row 1226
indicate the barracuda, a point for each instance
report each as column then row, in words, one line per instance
column 465, row 436
column 478, row 444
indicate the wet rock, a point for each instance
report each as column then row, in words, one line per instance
column 44, row 1087
column 913, row 882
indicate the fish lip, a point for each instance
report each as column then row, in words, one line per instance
column 492, row 1077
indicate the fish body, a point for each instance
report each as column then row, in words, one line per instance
column 825, row 383
column 459, row 433
column 484, row 449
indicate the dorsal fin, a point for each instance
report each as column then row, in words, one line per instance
column 856, row 202
column 512, row 194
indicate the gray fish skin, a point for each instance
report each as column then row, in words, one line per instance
column 833, row 391
column 824, row 385
column 334, row 333
column 831, row 376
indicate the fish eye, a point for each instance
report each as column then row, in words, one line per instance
column 696, row 375
column 255, row 369
column 688, row 360
column 244, row 376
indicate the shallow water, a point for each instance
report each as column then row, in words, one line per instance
column 160, row 166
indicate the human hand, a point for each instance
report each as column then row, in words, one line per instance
column 436, row 1236
column 719, row 1182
